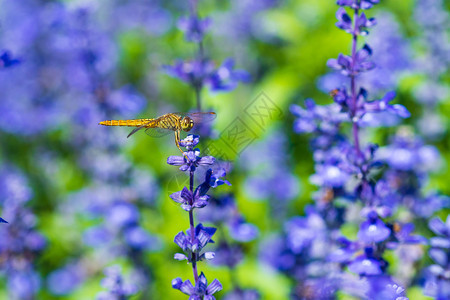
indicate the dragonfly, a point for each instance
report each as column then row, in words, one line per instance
column 164, row 124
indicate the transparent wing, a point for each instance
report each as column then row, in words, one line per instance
column 157, row 132
column 200, row 117
column 141, row 127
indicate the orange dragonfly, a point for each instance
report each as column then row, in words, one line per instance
column 162, row 125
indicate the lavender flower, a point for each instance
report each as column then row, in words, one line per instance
column 345, row 170
column 196, row 237
column 201, row 71
column 392, row 55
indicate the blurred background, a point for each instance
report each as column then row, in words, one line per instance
column 81, row 197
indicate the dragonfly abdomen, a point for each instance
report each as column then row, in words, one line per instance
column 129, row 123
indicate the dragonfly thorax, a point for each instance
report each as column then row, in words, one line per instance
column 187, row 123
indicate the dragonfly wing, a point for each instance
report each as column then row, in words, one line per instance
column 140, row 127
column 157, row 132
column 200, row 117
column 135, row 130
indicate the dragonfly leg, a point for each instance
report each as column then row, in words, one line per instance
column 177, row 142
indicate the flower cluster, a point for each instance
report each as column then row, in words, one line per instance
column 21, row 242
column 71, row 83
column 347, row 171
column 194, row 240
column 202, row 71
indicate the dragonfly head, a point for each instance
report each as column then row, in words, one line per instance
column 187, row 123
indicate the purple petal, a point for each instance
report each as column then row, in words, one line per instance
column 181, row 240
column 341, row 255
column 214, row 287
column 365, row 266
column 207, row 160
column 184, row 168
column 439, row 256
column 440, row 242
column 400, row 110
column 180, row 256
column 175, row 160
column 333, row 63
column 176, row 283
column 373, row 232
column 437, row 226
column 177, row 197
column 201, row 201
column 202, row 283
column 209, row 255
column 361, row 21
column 187, row 288
column 389, row 96
column 186, row 194
column 366, row 66
column 186, row 207
column 344, row 61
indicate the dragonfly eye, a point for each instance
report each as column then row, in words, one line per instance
column 187, row 123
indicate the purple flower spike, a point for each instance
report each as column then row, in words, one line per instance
column 195, row 239
column 194, row 28
column 373, row 230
